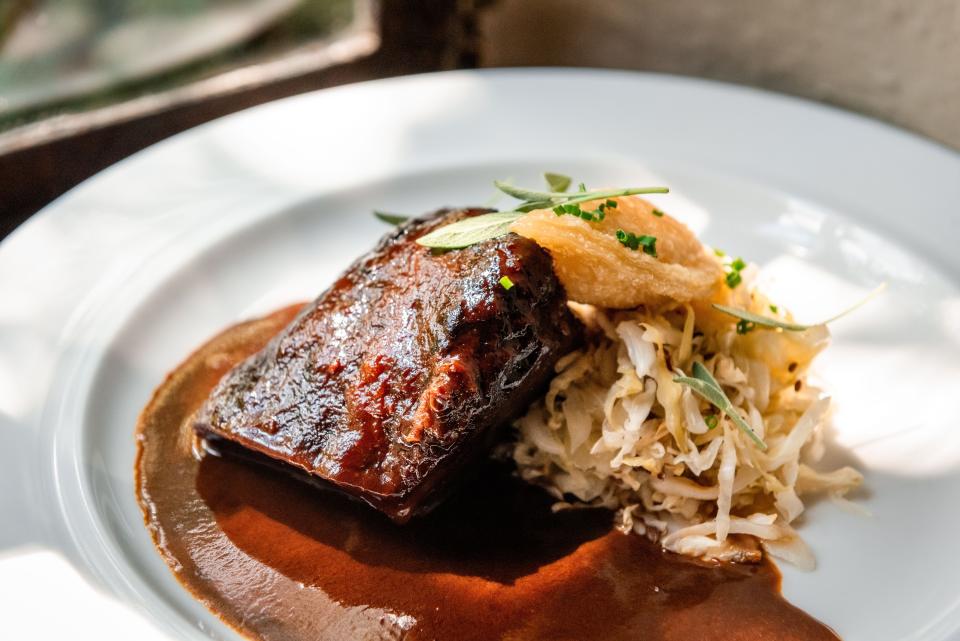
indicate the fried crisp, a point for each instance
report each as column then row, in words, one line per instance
column 595, row 268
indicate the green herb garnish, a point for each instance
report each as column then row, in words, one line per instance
column 473, row 230
column 392, row 219
column 733, row 276
column 591, row 215
column 705, row 385
column 744, row 326
column 753, row 320
column 470, row 231
column 711, row 420
column 656, row 212
column 634, row 242
column 774, row 309
column 506, row 283
column 574, row 210
column 557, row 182
column 756, row 319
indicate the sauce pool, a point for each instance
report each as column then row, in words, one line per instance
column 280, row 560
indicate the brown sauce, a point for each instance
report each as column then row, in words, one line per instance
column 277, row 559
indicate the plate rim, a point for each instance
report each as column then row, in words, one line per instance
column 65, row 206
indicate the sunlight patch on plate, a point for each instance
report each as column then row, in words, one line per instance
column 28, row 573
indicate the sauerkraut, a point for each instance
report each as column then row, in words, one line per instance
column 616, row 430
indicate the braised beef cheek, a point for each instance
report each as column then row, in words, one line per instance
column 399, row 375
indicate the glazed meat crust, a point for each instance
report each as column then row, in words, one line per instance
column 398, row 376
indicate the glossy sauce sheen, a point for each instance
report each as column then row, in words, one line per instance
column 278, row 559
column 400, row 376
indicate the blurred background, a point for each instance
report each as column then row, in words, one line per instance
column 85, row 83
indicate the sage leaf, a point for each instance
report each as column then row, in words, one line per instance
column 766, row 321
column 520, row 193
column 602, row 194
column 469, row 231
column 704, row 384
column 557, row 182
column 391, row 219
column 535, row 204
column 474, row 230
column 757, row 319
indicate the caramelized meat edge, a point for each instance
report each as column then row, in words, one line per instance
column 390, row 383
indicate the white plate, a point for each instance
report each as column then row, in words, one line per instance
column 112, row 285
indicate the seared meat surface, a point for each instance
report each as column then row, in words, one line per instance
column 399, row 375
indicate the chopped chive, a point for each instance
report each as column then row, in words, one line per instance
column 591, row 216
column 744, row 326
column 659, row 214
column 774, row 309
column 733, row 276
column 649, row 244
column 711, row 421
column 634, row 242
column 506, row 283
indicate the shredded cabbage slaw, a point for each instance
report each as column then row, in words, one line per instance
column 615, row 430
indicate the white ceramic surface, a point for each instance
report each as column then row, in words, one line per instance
column 111, row 286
